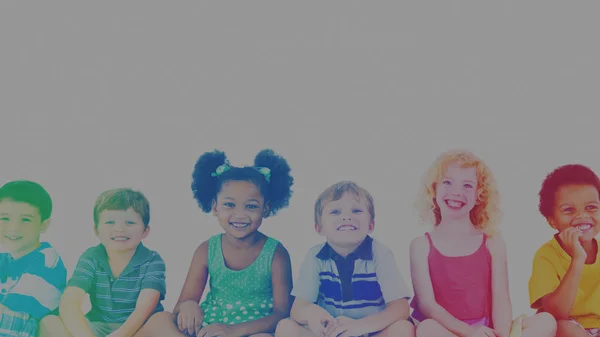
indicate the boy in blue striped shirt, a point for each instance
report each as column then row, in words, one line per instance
column 32, row 274
column 124, row 279
column 349, row 285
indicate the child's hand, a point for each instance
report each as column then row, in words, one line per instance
column 318, row 323
column 344, row 327
column 571, row 239
column 218, row 330
column 484, row 331
column 190, row 317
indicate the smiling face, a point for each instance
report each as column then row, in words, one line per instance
column 20, row 227
column 345, row 222
column 456, row 192
column 577, row 206
column 121, row 231
column 240, row 208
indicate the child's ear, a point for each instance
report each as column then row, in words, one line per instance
column 214, row 207
column 146, row 232
column 551, row 222
column 44, row 225
column 318, row 229
column 371, row 226
column 96, row 230
column 266, row 210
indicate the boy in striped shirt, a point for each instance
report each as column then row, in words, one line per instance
column 349, row 285
column 124, row 279
column 32, row 274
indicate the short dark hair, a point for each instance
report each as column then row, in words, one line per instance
column 28, row 192
column 571, row 174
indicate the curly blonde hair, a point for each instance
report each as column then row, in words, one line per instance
column 485, row 215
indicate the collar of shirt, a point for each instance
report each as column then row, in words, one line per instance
column 364, row 251
column 141, row 255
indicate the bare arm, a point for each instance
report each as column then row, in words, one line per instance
column 419, row 268
column 71, row 313
column 303, row 311
column 145, row 305
column 281, row 271
column 195, row 281
column 394, row 311
column 501, row 304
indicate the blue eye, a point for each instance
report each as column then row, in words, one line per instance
column 335, row 212
column 229, row 205
column 110, row 222
column 252, row 207
column 446, row 182
column 130, row 222
column 468, row 185
column 4, row 219
column 357, row 211
column 25, row 220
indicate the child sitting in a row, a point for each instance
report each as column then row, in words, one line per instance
column 124, row 279
column 350, row 285
column 566, row 269
column 459, row 270
column 32, row 274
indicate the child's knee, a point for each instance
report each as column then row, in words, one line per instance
column 286, row 328
column 546, row 324
column 159, row 318
column 428, row 327
column 51, row 326
column 401, row 328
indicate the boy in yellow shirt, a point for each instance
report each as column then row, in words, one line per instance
column 565, row 279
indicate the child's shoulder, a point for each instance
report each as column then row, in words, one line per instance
column 549, row 249
column 50, row 256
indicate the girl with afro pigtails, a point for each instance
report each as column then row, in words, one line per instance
column 250, row 273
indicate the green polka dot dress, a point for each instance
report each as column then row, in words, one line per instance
column 238, row 296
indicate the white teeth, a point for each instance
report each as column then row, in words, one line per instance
column 583, row 227
column 120, row 239
column 453, row 203
column 346, row 228
column 13, row 237
column 239, row 225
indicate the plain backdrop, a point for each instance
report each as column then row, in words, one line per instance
column 129, row 94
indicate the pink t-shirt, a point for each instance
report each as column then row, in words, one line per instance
column 461, row 284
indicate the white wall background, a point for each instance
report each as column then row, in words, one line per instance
column 101, row 96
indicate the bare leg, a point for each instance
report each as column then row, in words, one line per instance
column 160, row 324
column 401, row 328
column 431, row 328
column 52, row 326
column 289, row 328
column 540, row 325
column 570, row 329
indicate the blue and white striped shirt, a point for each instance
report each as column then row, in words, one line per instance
column 33, row 283
column 357, row 286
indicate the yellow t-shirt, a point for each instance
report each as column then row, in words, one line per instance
column 550, row 264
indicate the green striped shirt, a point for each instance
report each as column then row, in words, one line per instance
column 113, row 300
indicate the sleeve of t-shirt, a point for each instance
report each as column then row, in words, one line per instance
column 391, row 282
column 38, row 290
column 155, row 277
column 85, row 273
column 544, row 279
column 306, row 286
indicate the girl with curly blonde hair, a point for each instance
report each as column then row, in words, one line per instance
column 459, row 269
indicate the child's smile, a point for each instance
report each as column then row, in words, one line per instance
column 577, row 206
column 121, row 230
column 239, row 208
column 345, row 222
column 20, row 227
